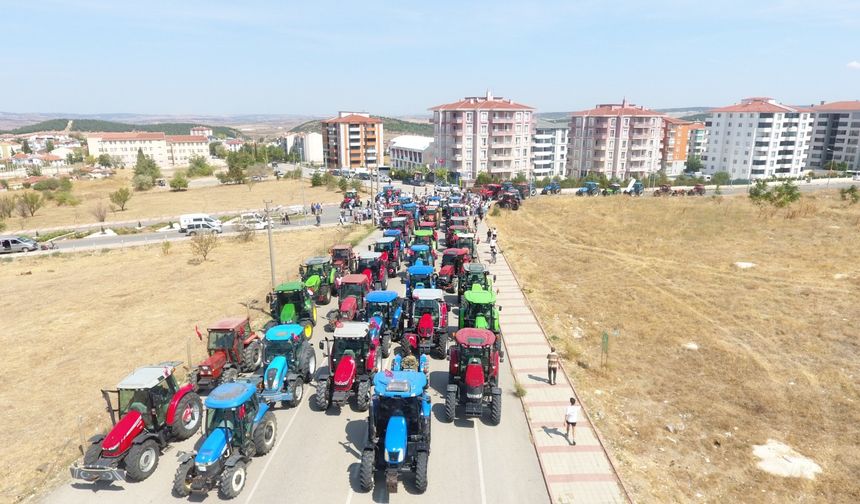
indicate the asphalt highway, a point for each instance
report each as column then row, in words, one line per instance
column 316, row 455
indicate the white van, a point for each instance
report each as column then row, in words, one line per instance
column 185, row 220
column 253, row 221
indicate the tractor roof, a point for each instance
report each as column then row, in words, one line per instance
column 284, row 332
column 476, row 267
column 420, row 247
column 475, row 337
column 370, row 255
column 423, row 232
column 399, row 383
column 410, row 205
column 457, row 227
column 420, row 269
column 385, row 239
column 455, row 251
column 228, row 324
column 465, row 234
column 354, row 278
column 427, row 224
column 341, row 246
column 352, row 330
column 477, row 295
column 428, row 294
column 290, row 286
column 398, row 219
column 315, row 261
column 381, row 296
column 392, row 232
column 230, row 395
column 147, row 376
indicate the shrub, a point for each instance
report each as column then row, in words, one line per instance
column 66, row 198
column 785, row 194
column 179, row 182
column 199, row 167
column 342, row 184
column 51, row 184
column 355, row 185
column 316, row 180
column 7, row 206
column 142, row 182
column 330, row 181
column 100, row 211
column 203, row 244
column 165, row 247
column 850, row 194
column 721, row 178
column 120, row 197
column 222, row 177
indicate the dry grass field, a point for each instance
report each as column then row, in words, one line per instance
column 76, row 323
column 778, row 344
column 160, row 202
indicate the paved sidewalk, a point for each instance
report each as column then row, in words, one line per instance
column 580, row 473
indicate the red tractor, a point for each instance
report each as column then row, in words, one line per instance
column 148, row 410
column 427, row 327
column 453, row 266
column 489, row 191
column 353, row 358
column 451, row 234
column 389, row 247
column 473, row 375
column 697, row 190
column 664, row 190
column 351, row 300
column 233, row 348
column 374, row 266
column 350, row 198
column 343, row 260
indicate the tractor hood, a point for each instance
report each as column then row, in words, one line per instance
column 474, row 378
column 447, row 270
column 275, row 372
column 215, row 361
column 368, row 273
column 344, row 374
column 313, row 282
column 348, row 306
column 123, row 433
column 395, row 440
column 425, row 326
column 481, row 322
column 214, row 445
column 288, row 314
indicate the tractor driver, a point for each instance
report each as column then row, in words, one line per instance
column 409, row 362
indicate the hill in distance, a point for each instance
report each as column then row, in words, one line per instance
column 391, row 127
column 85, row 125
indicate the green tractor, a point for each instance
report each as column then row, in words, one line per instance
column 474, row 273
column 292, row 303
column 478, row 309
column 318, row 275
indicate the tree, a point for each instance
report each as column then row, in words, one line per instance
column 120, row 197
column 203, row 244
column 483, row 178
column 237, row 164
column 70, row 158
column 142, row 182
column 179, row 182
column 145, row 167
column 342, row 184
column 29, row 203
column 519, row 178
column 785, row 194
column 721, row 178
column 316, row 180
column 355, row 184
column 25, row 147
column 117, row 162
column 199, row 167
column 104, row 160
column 49, row 146
column 693, row 164
column 100, row 211
column 221, row 152
column 34, row 171
column 213, row 148
column 7, row 206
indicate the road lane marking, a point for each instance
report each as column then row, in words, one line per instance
column 480, row 465
column 271, row 456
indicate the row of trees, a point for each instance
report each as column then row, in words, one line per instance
column 259, row 153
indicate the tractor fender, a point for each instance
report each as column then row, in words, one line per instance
column 323, row 376
column 264, row 407
column 235, row 458
column 496, row 391
column 98, row 438
column 422, row 446
column 146, row 436
column 174, row 402
column 185, row 456
column 252, row 336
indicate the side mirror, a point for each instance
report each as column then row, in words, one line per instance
column 321, row 345
column 368, row 247
column 500, row 308
column 269, row 298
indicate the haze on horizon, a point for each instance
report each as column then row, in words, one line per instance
column 389, row 58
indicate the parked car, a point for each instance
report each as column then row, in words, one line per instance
column 10, row 244
column 202, row 228
column 385, row 179
column 188, row 219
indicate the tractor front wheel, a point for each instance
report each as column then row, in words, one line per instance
column 297, row 388
column 182, row 479
column 232, row 481
column 266, row 432
column 229, row 375
column 252, row 356
column 365, row 470
column 141, row 461
column 450, row 405
column 496, row 409
column 421, row 459
column 309, row 363
column 187, row 417
column 386, row 345
column 321, row 397
column 362, row 396
column 93, row 453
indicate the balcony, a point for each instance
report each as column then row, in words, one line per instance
column 542, row 162
column 497, row 132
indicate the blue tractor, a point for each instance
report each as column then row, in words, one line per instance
column 398, row 433
column 421, row 253
column 290, row 363
column 385, row 310
column 551, row 188
column 238, row 427
column 589, row 189
column 419, row 276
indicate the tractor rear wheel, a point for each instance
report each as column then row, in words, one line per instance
column 327, row 295
column 297, row 388
column 442, row 346
column 450, row 405
column 141, row 461
column 182, row 479
column 309, row 363
column 91, row 456
column 252, row 356
column 232, row 481
column 362, row 396
column 496, row 409
column 229, row 375
column 186, row 421
column 266, row 432
column 386, row 345
column 365, row 470
column 321, row 395
column 421, row 459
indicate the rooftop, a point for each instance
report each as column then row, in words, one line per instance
column 759, row 104
column 147, row 376
column 544, row 124
column 353, row 119
column 414, row 142
column 131, row 135
column 618, row 109
column 186, row 139
column 837, row 106
column 487, row 102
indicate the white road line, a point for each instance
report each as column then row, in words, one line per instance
column 349, row 495
column 271, row 456
column 480, row 465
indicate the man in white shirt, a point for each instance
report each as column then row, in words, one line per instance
column 571, row 415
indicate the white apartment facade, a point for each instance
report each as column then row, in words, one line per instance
column 549, row 149
column 166, row 150
column 408, row 152
column 204, row 131
column 312, row 147
column 181, row 148
column 835, row 135
column 758, row 138
column 617, row 140
column 697, row 141
column 483, row 134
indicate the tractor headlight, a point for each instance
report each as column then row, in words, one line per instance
column 395, row 456
column 205, row 370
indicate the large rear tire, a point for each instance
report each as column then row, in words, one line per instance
column 265, row 433
column 450, row 405
column 362, row 396
column 141, row 461
column 496, row 409
column 365, row 471
column 229, row 375
column 182, row 479
column 232, row 481
column 421, row 459
column 252, row 356
column 386, row 345
column 187, row 418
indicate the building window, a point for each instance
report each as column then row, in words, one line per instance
column 518, row 117
column 483, row 126
column 483, row 153
column 527, row 116
column 468, row 117
column 483, row 117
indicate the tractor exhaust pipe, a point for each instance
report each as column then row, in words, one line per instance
column 81, row 435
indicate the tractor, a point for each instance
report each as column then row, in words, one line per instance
column 697, row 190
column 385, row 310
column 398, row 237
column 374, row 265
column 292, row 303
column 474, row 274
column 454, row 261
column 290, row 363
column 468, row 241
column 398, row 430
column 238, row 427
column 350, row 198
column 385, row 218
column 401, row 223
column 459, row 221
column 351, row 302
column 664, row 190
column 612, row 190
column 390, row 249
column 319, row 277
column 478, row 309
column 490, row 191
column 525, row 190
column 424, row 237
column 353, row 358
column 428, row 226
column 147, row 411
column 636, row 188
column 419, row 276
column 454, row 210
column 551, row 188
column 589, row 189
column 343, row 260
column 428, row 322
column 451, row 233
column 233, row 348
column 422, row 253
column 473, row 375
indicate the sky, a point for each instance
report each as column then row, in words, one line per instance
column 401, row 57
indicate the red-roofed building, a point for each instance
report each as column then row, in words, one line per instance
column 166, row 150
column 758, row 138
column 483, row 134
column 618, row 140
column 836, row 135
column 201, row 131
column 352, row 140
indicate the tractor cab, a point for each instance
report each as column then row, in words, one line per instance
column 421, row 253
column 343, row 258
column 350, row 198
column 231, row 407
column 384, row 310
column 351, row 297
column 510, row 199
column 232, row 347
column 428, row 226
column 424, row 237
column 397, row 235
column 473, row 375
column 467, row 241
column 479, row 310
column 428, row 321
column 459, row 221
column 419, row 276
column 353, row 357
column 389, row 247
column 401, row 223
column 475, row 274
column 589, row 189
column 451, row 233
column 453, row 266
column 385, row 218
column 374, row 265
column 456, row 210
column 319, row 277
column 390, row 192
column 290, row 363
column 292, row 303
column 412, row 208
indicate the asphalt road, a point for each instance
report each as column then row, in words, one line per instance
column 316, row 455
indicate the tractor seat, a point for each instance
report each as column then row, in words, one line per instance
column 349, row 353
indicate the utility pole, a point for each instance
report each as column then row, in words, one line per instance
column 271, row 247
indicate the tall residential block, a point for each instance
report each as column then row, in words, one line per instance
column 836, row 135
column 483, row 134
column 758, row 138
column 549, row 149
column 678, row 137
column 352, row 140
column 616, row 140
column 697, row 140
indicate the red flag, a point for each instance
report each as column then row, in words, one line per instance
column 199, row 334
column 388, row 373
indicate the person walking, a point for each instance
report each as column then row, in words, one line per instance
column 571, row 415
column 552, row 359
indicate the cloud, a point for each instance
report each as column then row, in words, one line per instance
column 854, row 65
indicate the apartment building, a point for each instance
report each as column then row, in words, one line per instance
column 352, row 140
column 758, row 138
column 835, row 135
column 408, row 152
column 549, row 149
column 203, row 131
column 697, row 140
column 181, row 148
column 312, row 147
column 615, row 139
column 678, row 139
column 166, row 150
column 483, row 134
